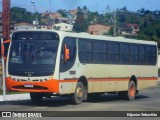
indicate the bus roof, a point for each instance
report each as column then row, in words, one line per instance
column 97, row 37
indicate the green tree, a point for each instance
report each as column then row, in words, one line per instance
column 63, row 12
column 19, row 14
column 81, row 24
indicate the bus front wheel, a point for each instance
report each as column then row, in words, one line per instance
column 78, row 95
column 36, row 97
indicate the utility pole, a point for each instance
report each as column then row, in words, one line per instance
column 5, row 36
column 37, row 22
column 115, row 24
column 5, row 19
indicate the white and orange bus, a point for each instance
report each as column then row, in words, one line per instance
column 47, row 63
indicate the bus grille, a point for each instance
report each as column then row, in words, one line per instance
column 25, row 80
column 35, row 87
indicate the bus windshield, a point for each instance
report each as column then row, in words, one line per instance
column 29, row 57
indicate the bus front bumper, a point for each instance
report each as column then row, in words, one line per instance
column 51, row 85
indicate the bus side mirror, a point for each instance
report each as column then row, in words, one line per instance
column 66, row 54
column 3, row 48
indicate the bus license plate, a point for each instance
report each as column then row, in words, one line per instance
column 28, row 86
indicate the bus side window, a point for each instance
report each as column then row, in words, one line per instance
column 142, row 54
column 151, row 55
column 85, row 51
column 100, row 52
column 125, row 53
column 134, row 54
column 114, row 52
column 70, row 43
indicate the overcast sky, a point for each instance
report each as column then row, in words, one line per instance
column 92, row 5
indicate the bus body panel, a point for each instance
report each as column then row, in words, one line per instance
column 102, row 78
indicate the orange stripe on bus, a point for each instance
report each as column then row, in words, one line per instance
column 117, row 79
column 153, row 78
column 108, row 79
column 69, row 80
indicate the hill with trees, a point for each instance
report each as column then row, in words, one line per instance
column 148, row 21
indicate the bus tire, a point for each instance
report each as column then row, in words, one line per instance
column 131, row 91
column 36, row 97
column 78, row 95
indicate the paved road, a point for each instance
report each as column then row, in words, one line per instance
column 149, row 100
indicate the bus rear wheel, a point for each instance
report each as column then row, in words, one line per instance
column 36, row 97
column 78, row 95
column 131, row 91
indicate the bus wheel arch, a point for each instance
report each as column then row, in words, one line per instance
column 84, row 81
column 134, row 79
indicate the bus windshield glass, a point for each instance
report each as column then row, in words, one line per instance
column 33, row 55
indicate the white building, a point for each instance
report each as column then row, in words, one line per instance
column 43, row 27
column 23, row 26
column 63, row 27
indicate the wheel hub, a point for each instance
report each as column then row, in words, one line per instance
column 79, row 92
column 132, row 91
